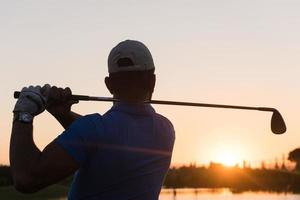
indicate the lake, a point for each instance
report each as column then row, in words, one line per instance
column 222, row 194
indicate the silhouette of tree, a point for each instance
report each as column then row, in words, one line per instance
column 263, row 165
column 276, row 164
column 239, row 179
column 294, row 156
column 283, row 167
column 244, row 164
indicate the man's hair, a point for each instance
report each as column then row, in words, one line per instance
column 133, row 83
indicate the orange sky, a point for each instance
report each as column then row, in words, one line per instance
column 229, row 52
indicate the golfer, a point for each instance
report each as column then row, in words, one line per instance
column 122, row 154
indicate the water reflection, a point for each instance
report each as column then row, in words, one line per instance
column 222, row 194
column 218, row 194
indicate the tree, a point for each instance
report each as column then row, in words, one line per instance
column 294, row 156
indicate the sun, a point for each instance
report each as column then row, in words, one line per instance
column 228, row 157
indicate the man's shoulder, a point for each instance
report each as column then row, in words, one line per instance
column 93, row 116
column 160, row 116
column 89, row 117
column 85, row 121
column 164, row 119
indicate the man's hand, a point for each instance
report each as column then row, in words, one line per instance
column 59, row 104
column 31, row 101
column 58, row 100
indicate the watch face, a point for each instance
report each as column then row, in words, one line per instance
column 25, row 117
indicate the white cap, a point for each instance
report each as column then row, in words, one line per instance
column 130, row 55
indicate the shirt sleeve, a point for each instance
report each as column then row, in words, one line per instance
column 76, row 139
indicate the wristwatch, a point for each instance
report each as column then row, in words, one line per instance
column 23, row 117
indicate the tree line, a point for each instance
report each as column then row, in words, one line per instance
column 238, row 179
column 216, row 176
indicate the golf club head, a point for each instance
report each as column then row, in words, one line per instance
column 277, row 123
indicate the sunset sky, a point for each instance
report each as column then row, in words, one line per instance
column 240, row 52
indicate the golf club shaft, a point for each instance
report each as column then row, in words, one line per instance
column 109, row 99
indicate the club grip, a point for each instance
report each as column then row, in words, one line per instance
column 73, row 97
column 16, row 94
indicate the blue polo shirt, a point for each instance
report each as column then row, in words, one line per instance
column 123, row 154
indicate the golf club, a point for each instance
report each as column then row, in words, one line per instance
column 277, row 123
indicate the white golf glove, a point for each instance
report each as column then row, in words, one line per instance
column 31, row 101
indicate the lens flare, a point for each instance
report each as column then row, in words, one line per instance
column 228, row 157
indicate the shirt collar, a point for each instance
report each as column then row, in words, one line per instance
column 133, row 108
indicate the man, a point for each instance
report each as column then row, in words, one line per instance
column 123, row 154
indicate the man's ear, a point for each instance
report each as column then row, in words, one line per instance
column 108, row 83
column 152, row 83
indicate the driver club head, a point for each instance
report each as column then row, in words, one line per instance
column 277, row 123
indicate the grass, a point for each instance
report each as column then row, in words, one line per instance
column 53, row 192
